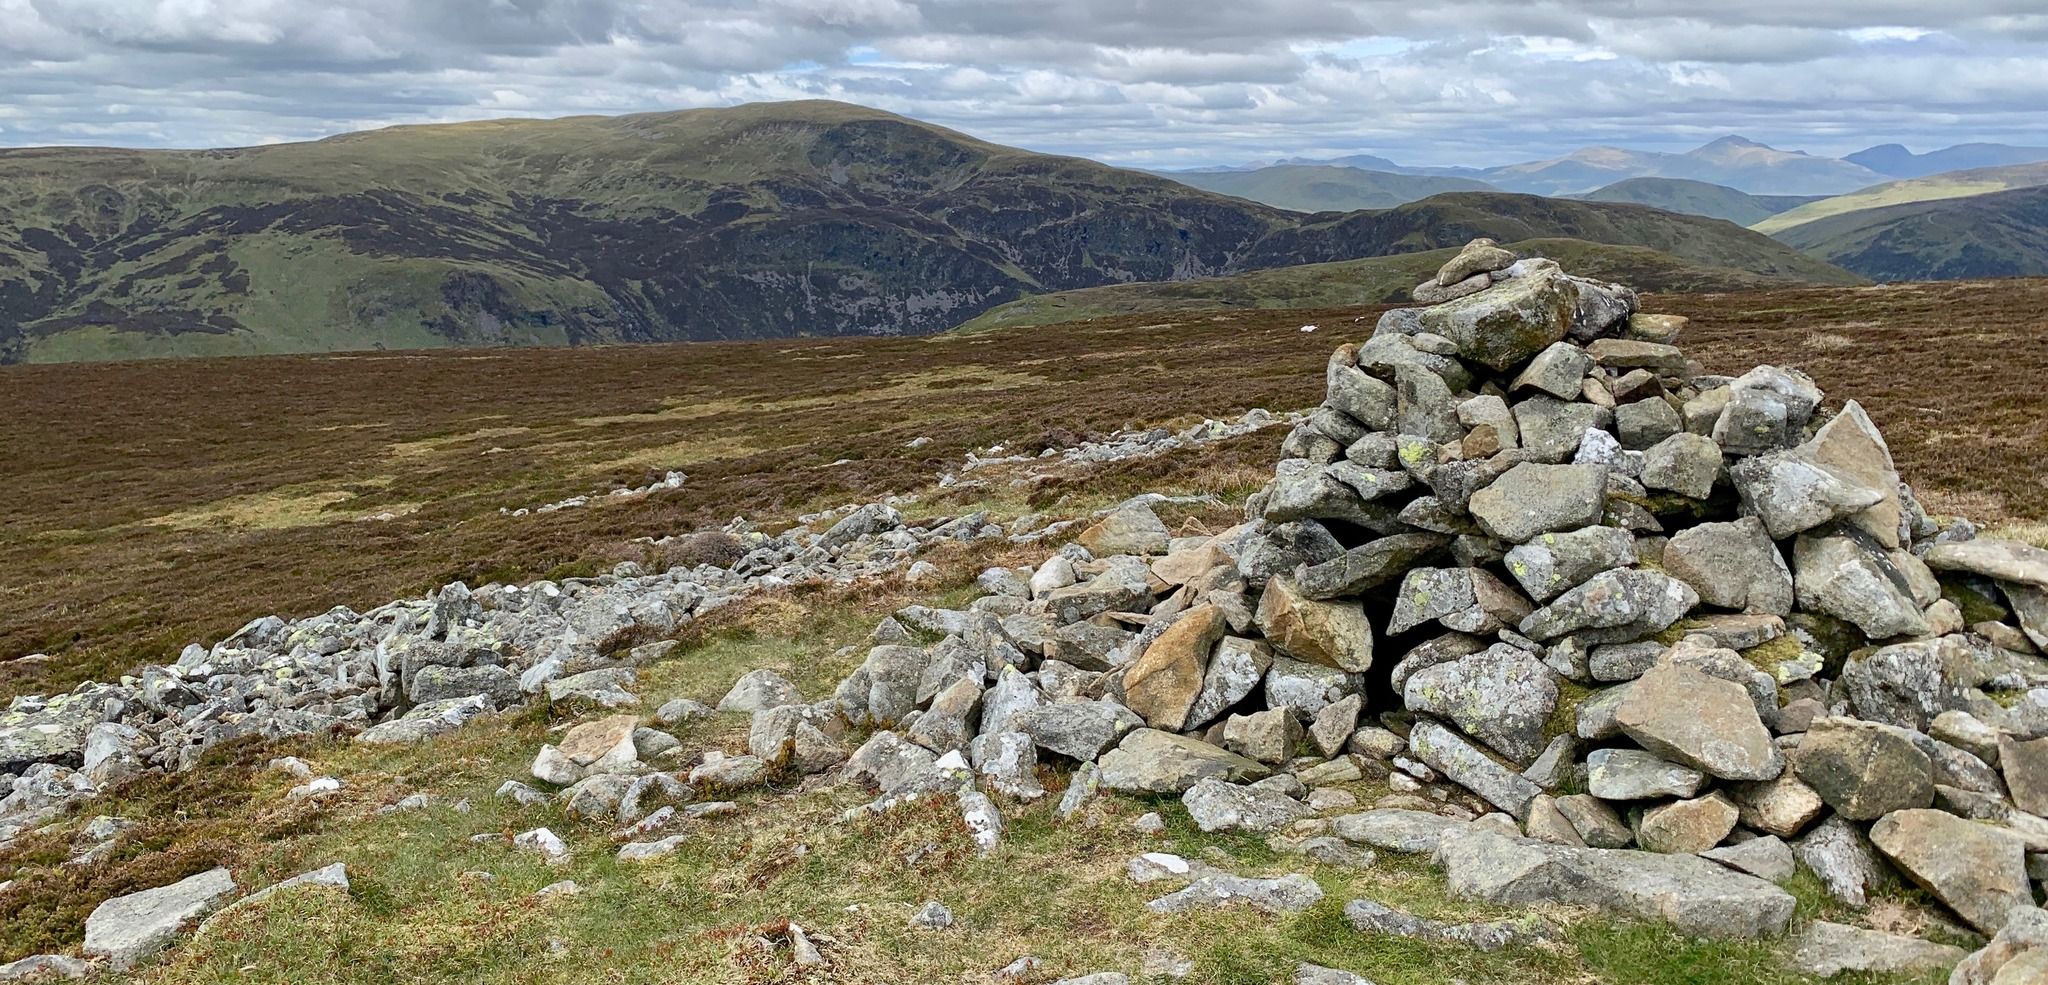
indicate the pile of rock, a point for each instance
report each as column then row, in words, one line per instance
column 1682, row 632
column 415, row 668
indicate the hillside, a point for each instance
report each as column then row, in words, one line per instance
column 1373, row 280
column 1302, row 188
column 2001, row 234
column 1736, row 162
column 773, row 875
column 1696, row 198
column 1958, row 184
column 1897, row 161
column 761, row 221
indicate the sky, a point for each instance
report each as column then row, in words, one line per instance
column 1133, row 82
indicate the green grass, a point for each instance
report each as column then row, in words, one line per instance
column 1953, row 184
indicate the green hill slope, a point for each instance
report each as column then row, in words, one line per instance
column 1306, row 188
column 1372, row 280
column 760, row 221
column 2002, row 234
column 1697, row 198
column 1954, row 184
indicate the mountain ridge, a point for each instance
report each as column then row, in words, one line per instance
column 764, row 220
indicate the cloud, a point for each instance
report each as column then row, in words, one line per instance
column 1141, row 82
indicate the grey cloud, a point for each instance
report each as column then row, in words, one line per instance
column 1131, row 81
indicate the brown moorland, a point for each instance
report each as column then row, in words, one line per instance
column 154, row 504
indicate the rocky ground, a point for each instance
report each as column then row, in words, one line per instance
column 1544, row 654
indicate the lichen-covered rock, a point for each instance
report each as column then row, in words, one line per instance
column 1464, row 764
column 1215, row 805
column 1151, row 761
column 1619, row 606
column 1687, row 464
column 1553, row 563
column 1505, row 326
column 1503, row 696
column 1732, row 565
column 1864, row 770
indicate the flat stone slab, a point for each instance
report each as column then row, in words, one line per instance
column 1825, row 950
column 1693, row 895
column 128, row 929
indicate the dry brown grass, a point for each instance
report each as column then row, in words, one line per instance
column 240, row 452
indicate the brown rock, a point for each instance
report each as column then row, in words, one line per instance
column 1333, row 634
column 1687, row 827
column 591, row 741
column 1978, row 870
column 1162, row 685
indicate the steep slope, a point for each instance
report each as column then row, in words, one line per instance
column 1897, row 161
column 1372, row 280
column 760, row 221
column 1955, row 184
column 2002, row 234
column 1302, row 188
column 1696, row 198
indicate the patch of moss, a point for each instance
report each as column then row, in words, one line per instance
column 1977, row 605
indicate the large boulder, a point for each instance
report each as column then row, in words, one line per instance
column 1978, row 870
column 1334, row 634
column 1694, row 896
column 1502, row 696
column 1792, row 494
column 2000, row 560
column 1556, row 562
column 1215, row 805
column 127, row 929
column 1825, row 950
column 1366, row 567
column 1507, row 325
column 1851, row 444
column 1078, row 730
column 1845, row 575
column 1864, row 770
column 1706, row 723
column 1235, row 670
column 1534, row 499
column 1129, row 529
column 1152, row 761
column 1732, row 566
column 1163, row 684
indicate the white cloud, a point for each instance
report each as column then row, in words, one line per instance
column 1136, row 81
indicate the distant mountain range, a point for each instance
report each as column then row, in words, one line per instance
column 758, row 221
column 1736, row 162
column 1899, row 162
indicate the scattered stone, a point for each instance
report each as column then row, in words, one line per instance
column 1286, row 894
column 1218, row 806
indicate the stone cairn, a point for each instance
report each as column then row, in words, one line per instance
column 1616, row 633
